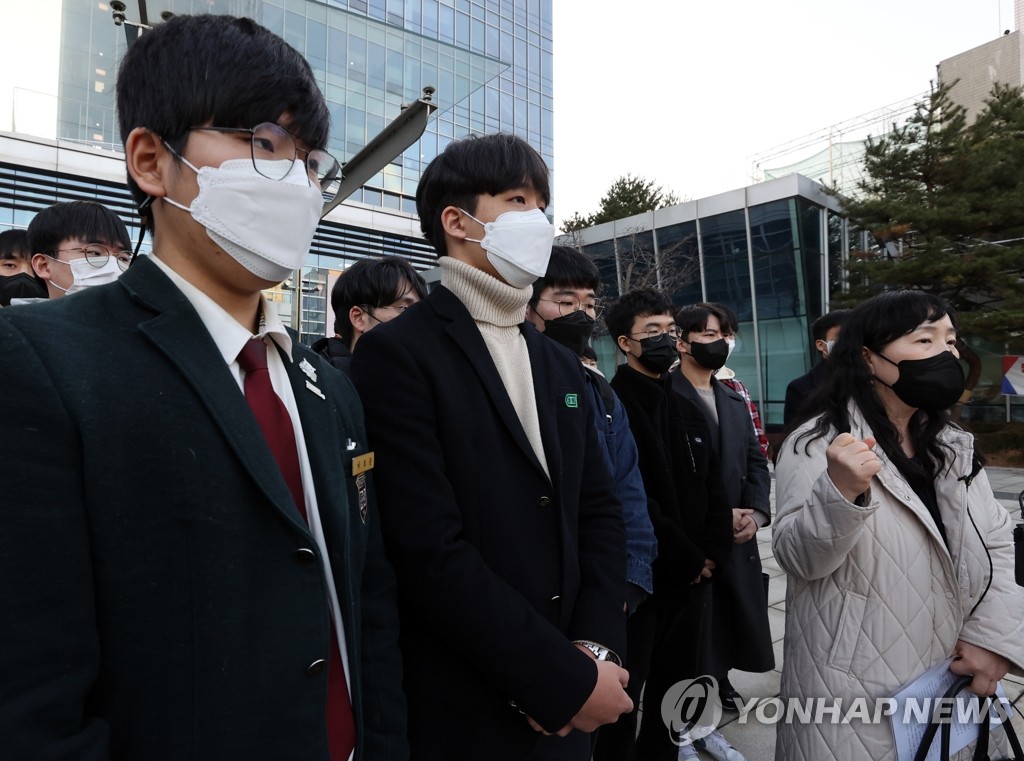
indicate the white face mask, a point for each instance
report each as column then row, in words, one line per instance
column 265, row 225
column 731, row 343
column 828, row 346
column 518, row 245
column 84, row 275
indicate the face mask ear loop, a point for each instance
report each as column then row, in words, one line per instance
column 144, row 213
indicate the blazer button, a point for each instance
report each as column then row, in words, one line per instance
column 304, row 555
column 555, row 600
column 752, row 558
column 316, row 668
column 544, row 502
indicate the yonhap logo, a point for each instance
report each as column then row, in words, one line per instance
column 691, row 709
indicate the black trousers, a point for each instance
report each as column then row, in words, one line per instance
column 663, row 641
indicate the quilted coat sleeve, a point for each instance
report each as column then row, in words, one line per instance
column 815, row 526
column 997, row 622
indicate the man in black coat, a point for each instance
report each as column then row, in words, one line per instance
column 367, row 294
column 189, row 544
column 498, row 512
column 824, row 332
column 691, row 520
column 740, row 636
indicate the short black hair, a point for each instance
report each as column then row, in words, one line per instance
column 730, row 323
column 216, row 70
column 470, row 167
column 86, row 220
column 589, row 353
column 825, row 323
column 645, row 301
column 375, row 283
column 567, row 268
column 693, row 318
column 14, row 245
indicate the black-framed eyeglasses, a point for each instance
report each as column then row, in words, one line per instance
column 672, row 333
column 566, row 306
column 97, row 254
column 369, row 309
column 274, row 150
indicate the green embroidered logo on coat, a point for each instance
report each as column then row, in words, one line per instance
column 572, row 400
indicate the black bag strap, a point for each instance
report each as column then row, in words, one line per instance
column 981, row 747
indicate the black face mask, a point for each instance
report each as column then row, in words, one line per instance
column 573, row 331
column 20, row 286
column 710, row 355
column 933, row 384
column 657, row 354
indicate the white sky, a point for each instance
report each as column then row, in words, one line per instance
column 684, row 92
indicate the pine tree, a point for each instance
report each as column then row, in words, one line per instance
column 627, row 196
column 944, row 204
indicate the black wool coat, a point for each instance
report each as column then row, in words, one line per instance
column 682, row 478
column 740, row 632
column 499, row 566
column 162, row 599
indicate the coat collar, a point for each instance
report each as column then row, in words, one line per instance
column 648, row 394
column 176, row 330
column 466, row 335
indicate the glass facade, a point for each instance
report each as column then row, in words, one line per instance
column 489, row 62
column 765, row 257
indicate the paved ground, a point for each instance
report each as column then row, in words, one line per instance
column 757, row 741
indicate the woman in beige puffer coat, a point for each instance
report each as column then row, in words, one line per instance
column 898, row 555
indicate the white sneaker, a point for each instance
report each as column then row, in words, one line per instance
column 686, row 750
column 716, row 746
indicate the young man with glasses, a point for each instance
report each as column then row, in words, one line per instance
column 691, row 521
column 17, row 280
column 565, row 308
column 78, row 245
column 370, row 292
column 189, row 539
column 497, row 509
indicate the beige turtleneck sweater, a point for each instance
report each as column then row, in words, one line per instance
column 498, row 309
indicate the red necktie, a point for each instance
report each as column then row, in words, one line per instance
column 276, row 424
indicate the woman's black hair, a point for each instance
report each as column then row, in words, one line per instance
column 874, row 324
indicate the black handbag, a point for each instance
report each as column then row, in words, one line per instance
column 981, row 747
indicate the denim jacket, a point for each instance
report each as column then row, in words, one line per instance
column 620, row 457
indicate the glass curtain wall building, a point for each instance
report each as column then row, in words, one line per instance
column 489, row 62
column 772, row 252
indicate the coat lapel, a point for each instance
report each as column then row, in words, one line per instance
column 177, row 332
column 545, row 392
column 466, row 335
column 322, row 436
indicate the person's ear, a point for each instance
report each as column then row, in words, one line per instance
column 453, row 221
column 822, row 346
column 147, row 160
column 623, row 342
column 360, row 319
column 41, row 266
column 868, row 357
